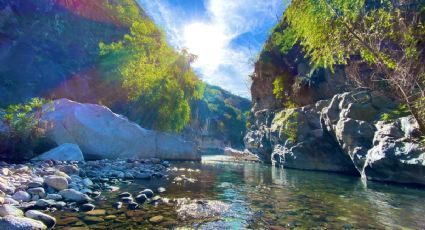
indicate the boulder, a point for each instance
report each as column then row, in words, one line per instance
column 73, row 195
column 395, row 156
column 56, row 182
column 20, row 223
column 49, row 221
column 314, row 148
column 64, row 152
column 101, row 134
column 172, row 147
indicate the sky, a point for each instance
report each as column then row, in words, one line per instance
column 226, row 35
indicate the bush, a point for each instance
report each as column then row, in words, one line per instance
column 24, row 134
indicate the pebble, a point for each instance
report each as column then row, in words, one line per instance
column 8, row 209
column 127, row 200
column 56, row 182
column 117, row 205
column 93, row 219
column 156, row 219
column 141, row 198
column 21, row 196
column 161, row 190
column 124, row 194
column 53, row 196
column 133, row 205
column 37, row 191
column 49, row 221
column 87, row 207
column 13, row 222
column 147, row 192
column 98, row 212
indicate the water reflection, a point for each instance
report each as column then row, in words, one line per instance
column 260, row 196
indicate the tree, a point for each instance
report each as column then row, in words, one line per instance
column 381, row 42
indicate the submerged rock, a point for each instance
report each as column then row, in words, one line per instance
column 73, row 195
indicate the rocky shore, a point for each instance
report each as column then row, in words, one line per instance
column 30, row 192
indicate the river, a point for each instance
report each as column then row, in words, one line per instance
column 257, row 196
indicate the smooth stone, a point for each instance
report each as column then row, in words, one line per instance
column 87, row 207
column 87, row 182
column 156, row 219
column 161, row 189
column 7, row 209
column 133, row 205
column 59, row 205
column 127, row 200
column 35, row 197
column 57, row 182
column 54, row 197
column 49, row 221
column 69, row 169
column 98, row 212
column 148, row 192
column 9, row 200
column 37, row 191
column 93, row 219
column 141, row 198
column 6, row 188
column 66, row 221
column 110, row 217
column 117, row 205
column 124, row 194
column 64, row 152
column 21, row 196
column 73, row 195
column 43, row 203
column 20, row 223
column 35, row 184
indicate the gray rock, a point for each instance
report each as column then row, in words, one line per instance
column 73, row 195
column 35, row 184
column 64, row 152
column 43, row 203
column 21, row 196
column 56, row 182
column 87, row 207
column 8, row 209
column 8, row 189
column 69, row 169
column 49, row 221
column 55, row 197
column 37, row 191
column 148, row 192
column 141, row 198
column 117, row 205
column 102, row 134
column 133, row 205
column 20, row 223
column 87, row 182
column 9, row 200
column 394, row 157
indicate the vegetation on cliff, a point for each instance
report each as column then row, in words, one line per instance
column 380, row 44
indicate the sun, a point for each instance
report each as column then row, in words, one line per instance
column 206, row 41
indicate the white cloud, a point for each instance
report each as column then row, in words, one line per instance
column 220, row 61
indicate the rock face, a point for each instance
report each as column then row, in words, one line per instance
column 64, row 152
column 343, row 134
column 101, row 134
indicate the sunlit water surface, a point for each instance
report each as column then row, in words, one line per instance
column 262, row 197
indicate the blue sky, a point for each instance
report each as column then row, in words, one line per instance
column 225, row 34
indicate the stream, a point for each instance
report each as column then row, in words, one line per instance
column 256, row 196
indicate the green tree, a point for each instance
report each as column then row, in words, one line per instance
column 387, row 36
column 158, row 82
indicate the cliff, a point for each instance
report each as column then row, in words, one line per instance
column 311, row 118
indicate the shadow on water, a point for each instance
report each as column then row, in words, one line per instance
column 260, row 196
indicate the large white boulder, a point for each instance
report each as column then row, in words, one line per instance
column 64, row 152
column 101, row 134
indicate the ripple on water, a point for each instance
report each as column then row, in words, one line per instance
column 231, row 195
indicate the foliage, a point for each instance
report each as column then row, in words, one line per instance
column 223, row 113
column 388, row 37
column 289, row 120
column 401, row 111
column 158, row 81
column 284, row 40
column 24, row 129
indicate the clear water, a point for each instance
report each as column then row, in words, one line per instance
column 265, row 197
